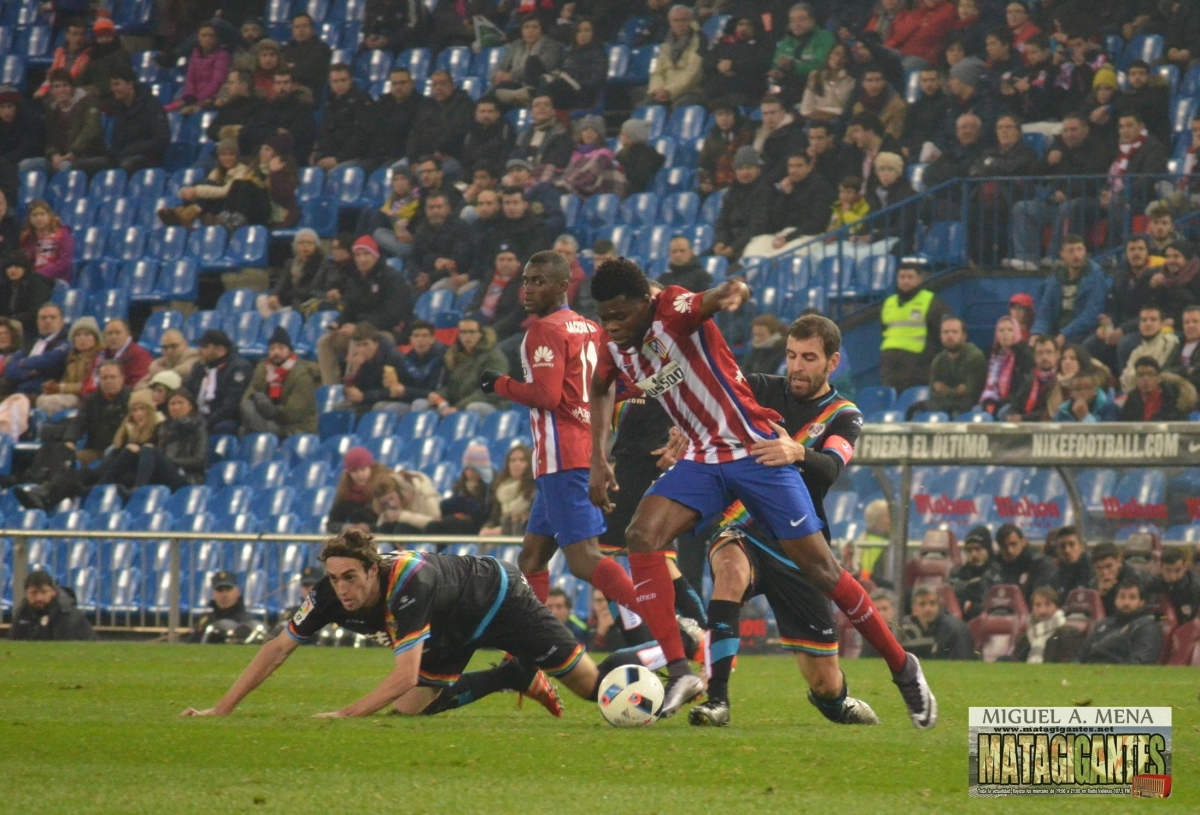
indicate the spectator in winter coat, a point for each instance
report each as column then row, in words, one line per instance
column 281, row 396
column 957, row 374
column 577, row 82
column 119, row 347
column 374, row 293
column 1009, row 363
column 207, row 68
column 1176, row 584
column 73, row 56
column 442, row 121
column 177, row 356
column 391, row 120
column 798, row 205
column 1185, row 359
column 1019, row 564
column 218, row 380
column 472, row 353
column 524, row 62
column 76, row 383
column 972, row 579
column 918, row 33
column 779, row 137
column 44, row 358
column 876, row 97
column 768, row 346
column 48, row 612
column 48, row 243
column 932, row 633
column 441, row 245
column 306, row 55
column 424, row 369
column 801, row 52
column 107, row 58
column 490, row 136
column 1174, row 286
column 1046, row 618
column 1150, row 98
column 684, row 269
column 140, row 134
column 1072, row 297
column 73, row 129
column 344, row 121
column 372, row 380
column 1085, row 401
column 729, row 134
column 22, row 292
column 1130, row 636
column 99, row 417
column 497, row 300
column 737, row 61
column 1157, row 397
column 675, row 79
column 1155, row 343
column 241, row 113
column 292, row 111
column 1073, row 563
column 21, row 132
column 546, row 142
column 295, row 284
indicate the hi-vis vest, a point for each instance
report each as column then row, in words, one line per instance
column 904, row 325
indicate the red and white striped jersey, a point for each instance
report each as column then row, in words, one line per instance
column 559, row 356
column 685, row 364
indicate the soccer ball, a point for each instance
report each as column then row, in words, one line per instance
column 630, row 696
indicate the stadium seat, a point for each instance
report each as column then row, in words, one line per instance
column 189, row 501
column 222, row 448
column 944, row 243
column 375, row 424
column 432, row 302
column 458, row 425
column 267, row 475
column 1083, row 608
column 148, row 500
column 314, row 503
column 333, row 449
column 140, row 278
column 335, row 423
column 231, row 500
column 386, row 450
column 687, row 122
column 106, row 186
column 270, row 503
column 1146, row 47
column 300, row 447
column 418, row 62
column 931, row 416
column 711, row 209
column 310, row 474
column 455, row 60
column 167, row 244
column 103, row 498
column 679, row 210
column 875, row 398
column 66, row 187
column 110, row 304
column 916, row 393
column 328, row 397
column 618, row 63
column 1094, row 486
column 417, row 425
column 639, row 210
column 421, row 454
column 206, row 246
column 997, row 630
column 673, row 179
column 225, row 474
column 258, row 447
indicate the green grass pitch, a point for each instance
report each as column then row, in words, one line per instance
column 95, row 728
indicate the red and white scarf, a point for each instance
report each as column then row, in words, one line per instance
column 1127, row 152
column 276, row 374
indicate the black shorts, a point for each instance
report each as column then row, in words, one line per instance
column 522, row 627
column 804, row 615
column 635, row 475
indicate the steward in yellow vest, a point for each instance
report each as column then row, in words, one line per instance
column 910, row 319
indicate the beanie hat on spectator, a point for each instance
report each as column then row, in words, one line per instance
column 186, row 394
column 1022, row 299
column 889, row 161
column 228, row 146
column 280, row 336
column 636, row 130
column 1184, row 248
column 168, row 379
column 104, row 25
column 969, row 71
column 215, row 336
column 142, row 398
column 356, row 458
column 282, row 143
column 266, row 45
column 476, row 455
column 594, row 122
column 518, row 163
column 18, row 258
column 366, row 243
column 86, row 324
column 1106, row 77
column 979, row 535
column 746, row 156
column 9, row 95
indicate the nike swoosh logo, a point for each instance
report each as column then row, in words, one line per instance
column 637, row 586
column 1193, row 446
column 797, row 523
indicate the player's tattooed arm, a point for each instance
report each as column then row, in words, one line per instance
column 601, row 479
column 268, row 658
column 712, row 300
column 400, row 681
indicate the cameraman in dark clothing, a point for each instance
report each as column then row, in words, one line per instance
column 228, row 612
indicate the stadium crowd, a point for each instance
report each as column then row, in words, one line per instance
column 814, row 117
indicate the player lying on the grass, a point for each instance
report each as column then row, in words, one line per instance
column 435, row 611
column 558, row 356
column 818, row 433
column 670, row 347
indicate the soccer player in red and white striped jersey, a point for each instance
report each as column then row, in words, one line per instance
column 670, row 347
column 559, row 355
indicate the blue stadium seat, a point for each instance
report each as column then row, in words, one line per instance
column 458, row 425
column 503, row 424
column 455, row 60
column 146, row 185
column 73, row 303
column 667, row 147
column 711, row 209
column 333, row 449
column 622, row 238
column 109, row 304
column 273, row 502
column 178, row 280
column 673, row 179
column 717, row 266
column 1146, row 47
column 639, row 210
column 189, row 501
column 149, row 500
column 198, row 322
column 225, row 474
column 231, row 500
column 1094, row 486
column 310, row 474
column 618, row 63
column 258, row 447
column 916, row 393
column 431, row 302
column 425, row 453
column 640, row 60
column 387, row 450
column 312, row 182
column 77, row 215
column 880, row 275
column 837, row 275
column 207, row 246
column 570, row 206
column 127, row 244
column 314, row 503
column 486, row 62
column 335, row 423
column 267, row 475
column 96, row 275
column 680, row 209
column 687, row 122
column 1182, row 114
column 375, row 424
column 167, row 244
column 916, row 175
column 1142, row 486
column 107, row 186
column 247, row 247
column 329, row 397
column 140, row 277
column 793, row 273
column 1037, row 141
column 945, row 243
column 236, row 301
column 418, row 62
column 443, row 475
column 91, row 245
column 912, row 87
column 875, row 399
column 345, row 186
column 314, row 327
column 117, row 216
column 417, row 425
column 66, row 187
column 222, row 448
column 103, row 498
column 300, row 447
column 655, row 116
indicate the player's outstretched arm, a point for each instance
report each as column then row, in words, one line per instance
column 710, row 302
column 268, row 658
column 400, row 681
column 602, row 478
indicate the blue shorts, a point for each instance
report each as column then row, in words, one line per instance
column 562, row 510
column 775, row 496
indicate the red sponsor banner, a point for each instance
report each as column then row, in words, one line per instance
column 1132, row 510
column 1027, row 508
column 944, row 505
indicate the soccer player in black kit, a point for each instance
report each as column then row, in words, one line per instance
column 434, row 611
column 821, row 429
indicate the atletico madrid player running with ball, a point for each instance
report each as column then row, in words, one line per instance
column 559, row 355
column 669, row 346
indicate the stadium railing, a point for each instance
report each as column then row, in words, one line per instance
column 155, row 581
column 964, row 222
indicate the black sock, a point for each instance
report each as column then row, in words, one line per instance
column 724, row 637
column 471, row 687
column 831, row 709
column 687, row 602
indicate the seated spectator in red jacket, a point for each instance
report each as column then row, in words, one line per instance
column 1016, row 14
column 120, row 347
column 918, row 33
column 48, row 243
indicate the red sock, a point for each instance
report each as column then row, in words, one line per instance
column 656, row 600
column 540, row 583
column 614, row 583
column 854, row 602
